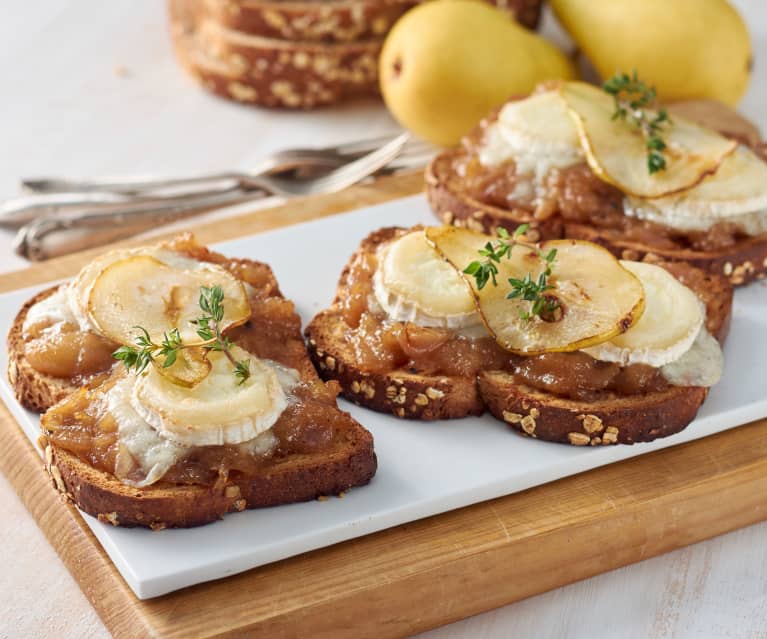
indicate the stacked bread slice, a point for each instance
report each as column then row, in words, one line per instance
column 292, row 53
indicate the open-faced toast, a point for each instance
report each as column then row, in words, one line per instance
column 180, row 432
column 547, row 183
column 612, row 418
column 392, row 364
column 397, row 389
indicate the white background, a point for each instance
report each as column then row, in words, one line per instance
column 91, row 88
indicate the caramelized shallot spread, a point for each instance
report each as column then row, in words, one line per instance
column 381, row 345
column 62, row 350
column 577, row 196
column 83, row 425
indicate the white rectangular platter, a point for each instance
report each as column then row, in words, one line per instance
column 424, row 468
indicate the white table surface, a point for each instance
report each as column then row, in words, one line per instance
column 92, row 88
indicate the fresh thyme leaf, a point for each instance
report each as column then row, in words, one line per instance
column 487, row 270
column 242, row 371
column 631, row 97
column 525, row 288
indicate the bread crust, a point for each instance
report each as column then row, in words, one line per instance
column 743, row 262
column 624, row 420
column 298, row 478
column 34, row 390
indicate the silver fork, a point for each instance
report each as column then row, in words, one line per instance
column 57, row 196
column 30, row 240
column 278, row 162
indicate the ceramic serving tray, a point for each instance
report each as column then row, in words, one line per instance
column 424, row 468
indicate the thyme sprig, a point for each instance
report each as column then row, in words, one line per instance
column 487, row 269
column 535, row 292
column 146, row 351
column 527, row 288
column 632, row 97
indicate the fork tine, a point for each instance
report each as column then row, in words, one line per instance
column 354, row 171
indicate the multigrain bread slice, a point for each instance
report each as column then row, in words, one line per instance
column 399, row 392
column 611, row 420
column 309, row 20
column 332, row 20
column 743, row 261
column 343, row 458
column 268, row 71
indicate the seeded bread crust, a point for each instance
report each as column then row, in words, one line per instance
column 333, row 20
column 294, row 479
column 743, row 262
column 309, row 21
column 398, row 392
column 271, row 72
column 33, row 390
column 624, row 420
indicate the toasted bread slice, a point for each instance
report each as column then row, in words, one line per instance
column 628, row 419
column 345, row 459
column 742, row 261
column 399, row 392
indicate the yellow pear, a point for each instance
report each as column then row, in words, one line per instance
column 447, row 63
column 686, row 48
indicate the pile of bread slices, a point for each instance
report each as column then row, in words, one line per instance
column 293, row 53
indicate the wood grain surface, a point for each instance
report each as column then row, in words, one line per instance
column 430, row 572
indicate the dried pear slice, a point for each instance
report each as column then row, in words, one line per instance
column 599, row 298
column 142, row 291
column 189, row 368
column 616, row 150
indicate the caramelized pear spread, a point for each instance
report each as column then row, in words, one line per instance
column 576, row 195
column 381, row 345
column 85, row 426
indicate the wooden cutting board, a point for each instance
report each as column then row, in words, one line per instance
column 430, row 572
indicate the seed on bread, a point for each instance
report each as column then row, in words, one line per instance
column 578, row 439
column 421, row 400
column 528, row 424
column 108, row 518
column 591, row 424
column 434, row 393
